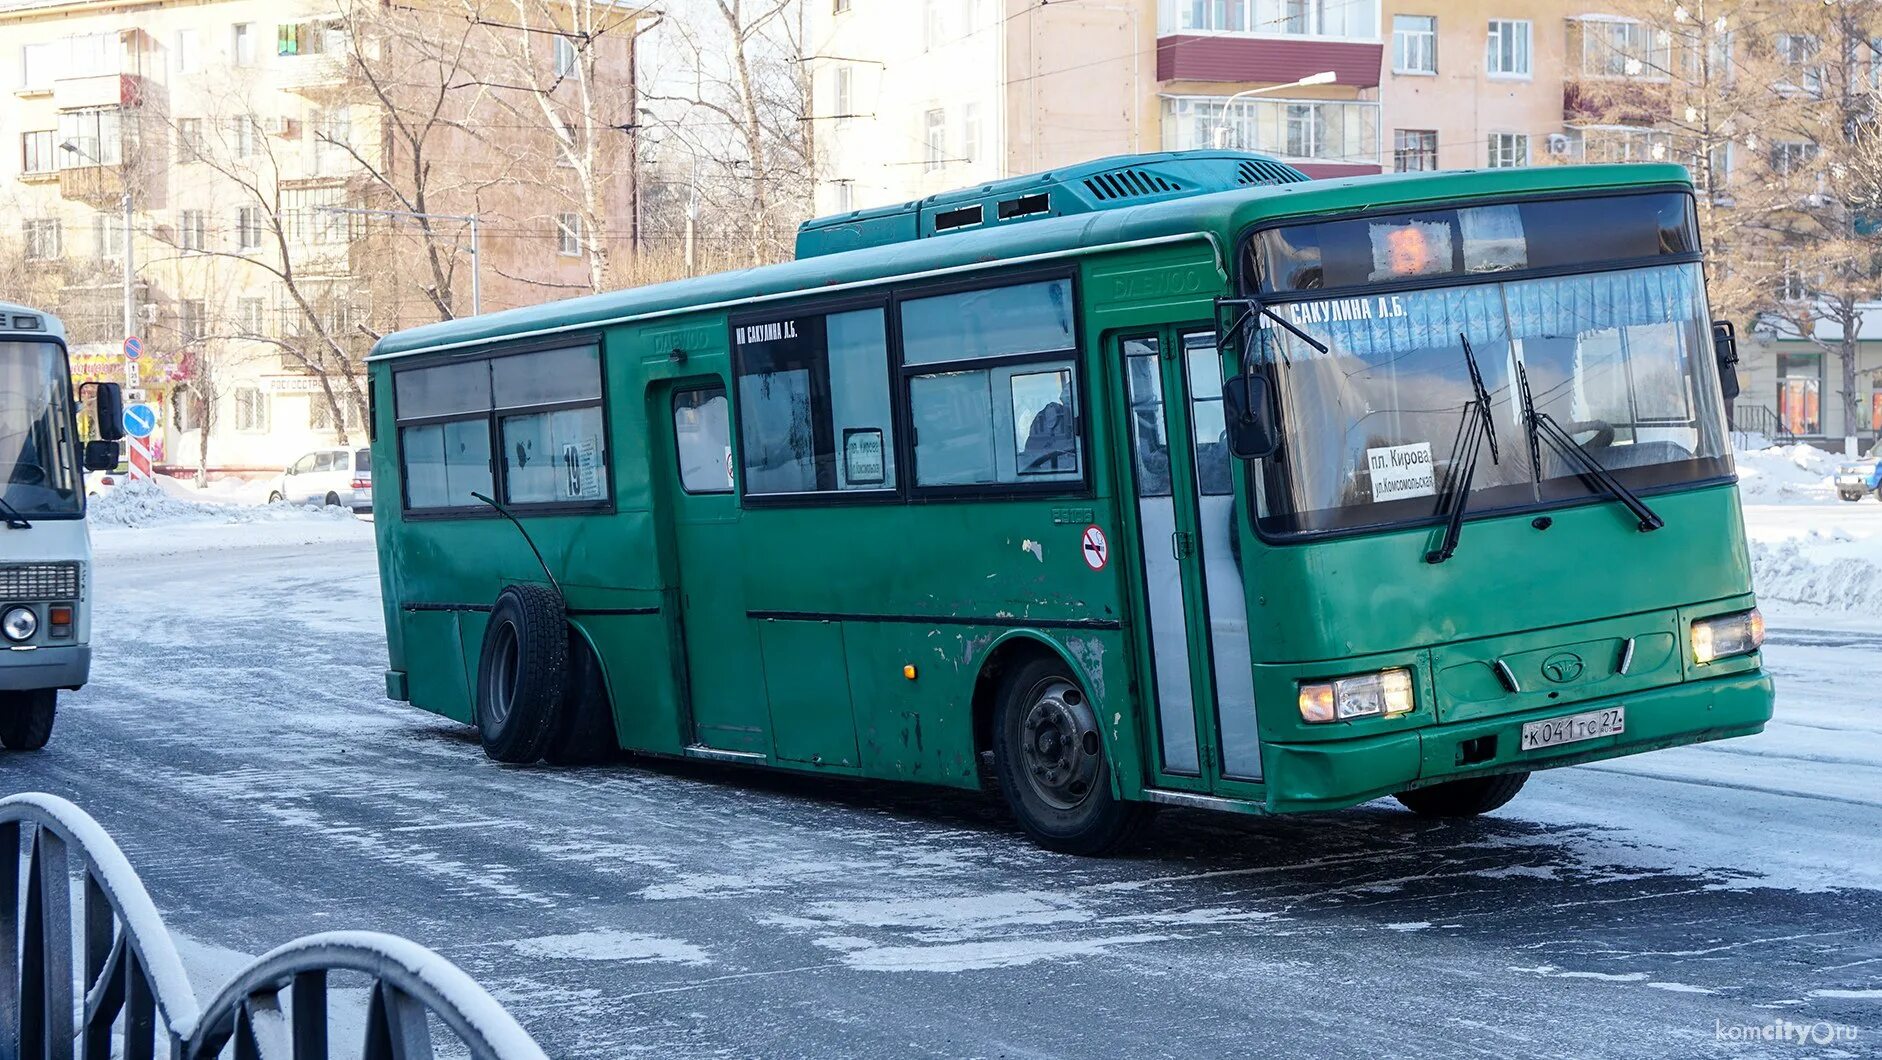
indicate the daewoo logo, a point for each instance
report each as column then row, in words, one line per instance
column 1562, row 667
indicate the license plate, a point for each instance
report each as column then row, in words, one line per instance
column 1541, row 735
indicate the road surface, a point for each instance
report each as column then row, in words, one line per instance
column 236, row 742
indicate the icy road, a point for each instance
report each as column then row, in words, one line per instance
column 236, row 742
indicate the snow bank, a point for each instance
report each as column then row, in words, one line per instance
column 1786, row 474
column 1834, row 571
column 140, row 505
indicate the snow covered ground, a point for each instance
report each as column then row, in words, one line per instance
column 236, row 741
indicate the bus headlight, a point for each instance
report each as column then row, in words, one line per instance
column 1727, row 635
column 19, row 624
column 1382, row 693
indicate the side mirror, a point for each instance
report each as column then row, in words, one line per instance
column 101, row 456
column 110, row 401
column 1725, row 351
column 1248, row 414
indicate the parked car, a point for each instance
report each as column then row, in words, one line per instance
column 1857, row 477
column 336, row 477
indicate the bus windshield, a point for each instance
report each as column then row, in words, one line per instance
column 39, row 473
column 1620, row 359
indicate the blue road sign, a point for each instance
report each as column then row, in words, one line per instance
column 133, row 348
column 140, row 420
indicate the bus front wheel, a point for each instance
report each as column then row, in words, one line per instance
column 1050, row 758
column 521, row 673
column 26, row 718
column 1464, row 798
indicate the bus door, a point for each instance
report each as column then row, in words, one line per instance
column 1183, row 481
column 725, row 697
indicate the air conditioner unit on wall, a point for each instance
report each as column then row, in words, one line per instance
column 286, row 128
column 1560, row 144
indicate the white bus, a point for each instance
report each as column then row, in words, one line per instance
column 45, row 551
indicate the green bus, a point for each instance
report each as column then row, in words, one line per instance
column 1165, row 479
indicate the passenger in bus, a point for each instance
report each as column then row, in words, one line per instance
column 1052, row 441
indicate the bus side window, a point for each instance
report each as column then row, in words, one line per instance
column 814, row 413
column 993, row 386
column 702, row 438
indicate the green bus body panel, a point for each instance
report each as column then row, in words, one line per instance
column 783, row 631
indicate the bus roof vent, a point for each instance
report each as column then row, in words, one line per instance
column 1102, row 184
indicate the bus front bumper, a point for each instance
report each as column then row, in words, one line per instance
column 54, row 666
column 1329, row 776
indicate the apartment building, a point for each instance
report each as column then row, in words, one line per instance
column 978, row 89
column 239, row 137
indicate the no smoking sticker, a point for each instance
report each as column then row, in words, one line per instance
column 1094, row 548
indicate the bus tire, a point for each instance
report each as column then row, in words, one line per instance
column 26, row 718
column 521, row 673
column 1050, row 758
column 584, row 723
column 1464, row 798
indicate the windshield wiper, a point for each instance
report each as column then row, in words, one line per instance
column 1475, row 427
column 1541, row 425
column 14, row 520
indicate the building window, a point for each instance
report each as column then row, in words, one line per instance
column 930, row 25
column 814, row 411
column 840, row 85
column 95, row 134
column 251, row 409
column 702, row 437
column 1334, row 130
column 191, row 227
column 840, row 7
column 39, row 152
column 251, row 316
column 1508, row 150
column 1414, row 150
column 1507, row 53
column 1788, row 157
column 1616, row 143
column 1792, row 285
column 245, row 135
column 320, row 414
column 845, row 195
column 1310, row 18
column 934, row 139
column 1414, row 44
column 1800, row 53
column 242, row 44
column 568, row 235
column 992, row 386
column 188, row 53
column 108, row 236
column 189, row 140
column 565, row 56
column 1800, row 392
column 970, row 132
column 39, row 64
column 1875, row 402
column 41, row 236
column 192, row 322
column 1623, row 48
column 248, row 228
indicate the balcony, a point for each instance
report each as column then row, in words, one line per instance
column 1614, row 101
column 1323, row 138
column 100, row 90
column 1239, row 58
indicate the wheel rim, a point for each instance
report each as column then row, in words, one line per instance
column 500, row 689
column 1059, row 745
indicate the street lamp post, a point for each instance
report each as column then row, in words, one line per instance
column 1324, row 77
column 477, row 299
column 130, row 263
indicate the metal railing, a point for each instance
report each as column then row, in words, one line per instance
column 1759, row 421
column 134, row 999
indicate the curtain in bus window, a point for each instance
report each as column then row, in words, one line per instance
column 554, row 457
column 442, row 390
column 547, row 376
column 702, row 437
column 446, row 462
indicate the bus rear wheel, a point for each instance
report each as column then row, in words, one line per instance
column 1050, row 758
column 26, row 718
column 1464, row 798
column 521, row 673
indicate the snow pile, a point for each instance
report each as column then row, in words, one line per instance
column 139, row 505
column 1833, row 570
column 1786, row 474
